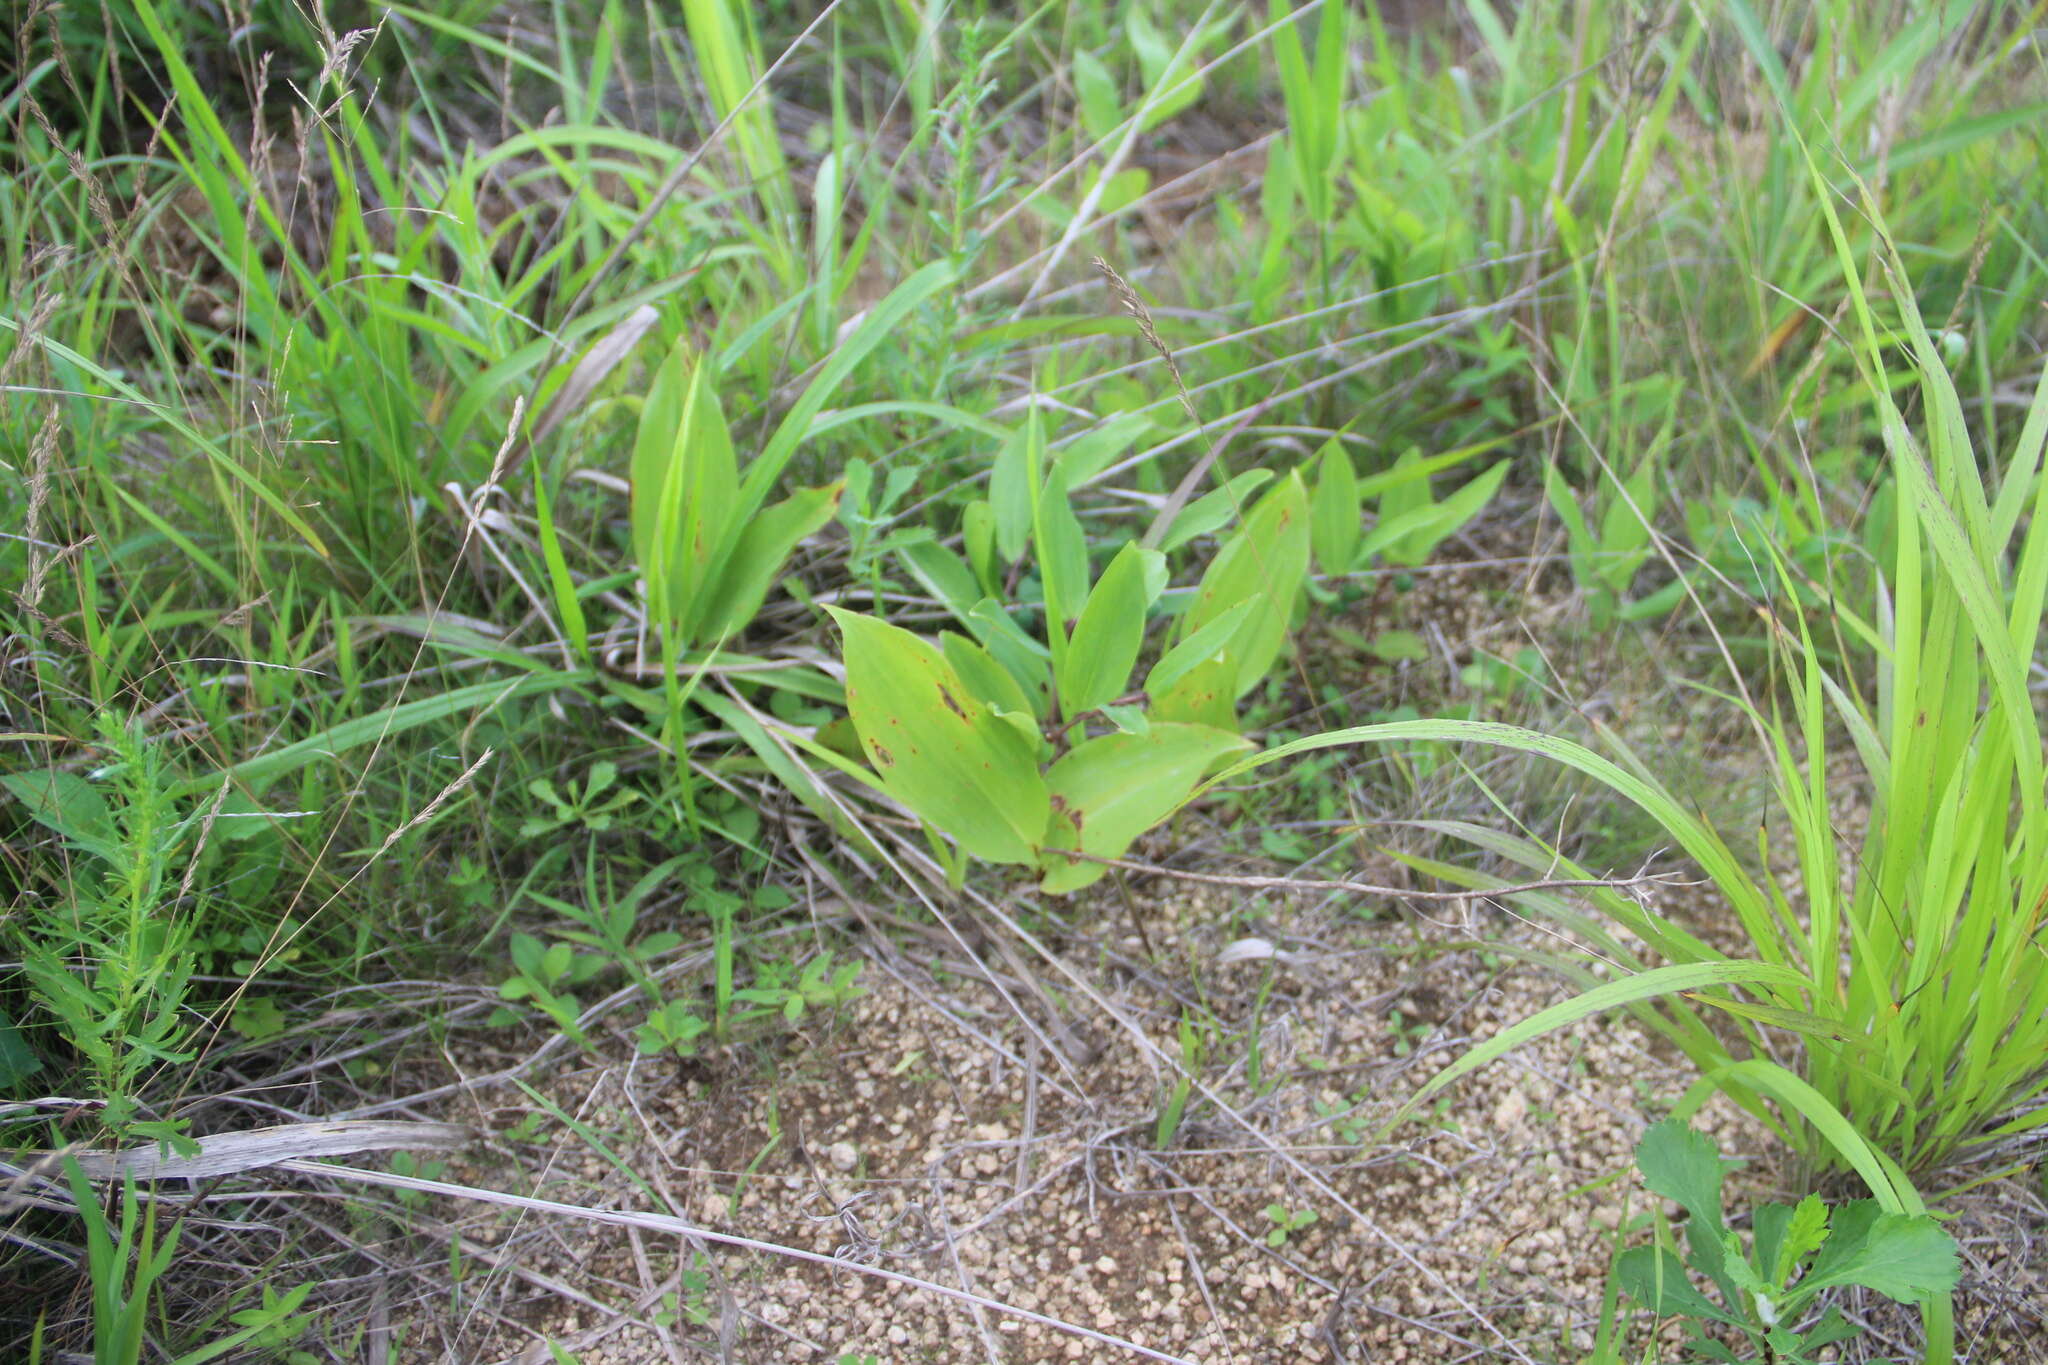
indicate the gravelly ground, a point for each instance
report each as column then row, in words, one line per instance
column 961, row 1152
column 953, row 1149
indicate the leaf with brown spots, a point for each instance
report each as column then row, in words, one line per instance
column 1109, row 790
column 949, row 757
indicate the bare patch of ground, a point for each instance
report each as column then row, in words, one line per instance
column 928, row 1132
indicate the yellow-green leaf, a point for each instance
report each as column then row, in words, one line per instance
column 1111, row 789
column 1109, row 634
column 685, row 485
column 763, row 547
column 949, row 758
column 1335, row 525
column 1264, row 560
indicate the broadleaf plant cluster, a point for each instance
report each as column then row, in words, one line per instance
column 1038, row 744
column 1768, row 1290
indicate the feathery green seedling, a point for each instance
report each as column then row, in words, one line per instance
column 110, row 958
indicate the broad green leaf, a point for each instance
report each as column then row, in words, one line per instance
column 1902, row 1256
column 1109, row 790
column 1395, row 646
column 978, row 531
column 1202, row 647
column 1091, row 452
column 934, row 747
column 1682, row 1165
column 1213, row 510
column 1207, row 691
column 1173, row 77
column 1100, row 98
column 1013, row 486
column 943, row 575
column 1278, row 269
column 1652, row 605
column 1409, row 537
column 1120, row 191
column 766, row 544
column 1578, row 539
column 991, row 685
column 1624, row 534
column 685, row 490
column 1062, row 561
column 70, row 805
column 1315, row 100
column 1334, row 522
column 1109, row 634
column 1377, row 485
column 1265, row 560
column 1404, row 500
column 1156, row 575
column 1132, row 720
column 1024, row 658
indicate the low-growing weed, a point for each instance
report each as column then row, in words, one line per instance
column 126, row 1260
column 593, row 808
column 1769, row 1290
column 1412, row 521
column 610, row 938
column 1286, row 1222
column 1197, row 1041
column 1915, row 1049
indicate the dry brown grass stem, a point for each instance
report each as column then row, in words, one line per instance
column 39, row 452
column 30, row 328
column 433, row 807
column 1978, row 251
column 1169, row 510
column 1142, row 315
